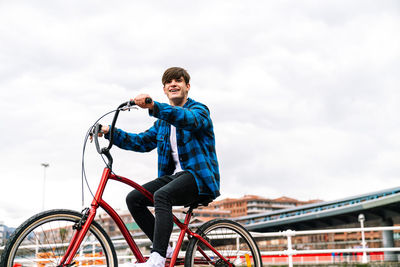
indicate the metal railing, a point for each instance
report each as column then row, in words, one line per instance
column 290, row 252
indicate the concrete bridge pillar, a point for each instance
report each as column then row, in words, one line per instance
column 388, row 241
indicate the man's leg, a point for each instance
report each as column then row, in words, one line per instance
column 138, row 203
column 182, row 190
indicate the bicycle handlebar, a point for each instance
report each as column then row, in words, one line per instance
column 97, row 129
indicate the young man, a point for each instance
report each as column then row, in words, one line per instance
column 187, row 162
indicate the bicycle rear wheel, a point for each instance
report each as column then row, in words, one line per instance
column 230, row 239
column 43, row 239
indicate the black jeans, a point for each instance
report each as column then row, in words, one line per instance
column 170, row 190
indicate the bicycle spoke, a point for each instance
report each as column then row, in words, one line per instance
column 43, row 240
column 230, row 240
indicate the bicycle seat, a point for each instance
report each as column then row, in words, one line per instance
column 203, row 201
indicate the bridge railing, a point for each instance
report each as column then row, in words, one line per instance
column 290, row 251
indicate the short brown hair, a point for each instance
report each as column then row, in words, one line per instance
column 175, row 73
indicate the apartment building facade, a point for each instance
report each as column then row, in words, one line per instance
column 252, row 204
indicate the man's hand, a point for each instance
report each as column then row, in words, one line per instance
column 104, row 130
column 140, row 101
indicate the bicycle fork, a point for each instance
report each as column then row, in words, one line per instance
column 81, row 228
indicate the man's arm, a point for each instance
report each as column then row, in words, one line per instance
column 142, row 142
column 194, row 118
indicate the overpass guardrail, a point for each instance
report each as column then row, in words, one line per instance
column 327, row 256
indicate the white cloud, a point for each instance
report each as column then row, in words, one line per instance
column 304, row 96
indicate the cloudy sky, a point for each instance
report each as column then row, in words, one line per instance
column 304, row 95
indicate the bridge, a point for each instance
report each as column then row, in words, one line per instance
column 381, row 208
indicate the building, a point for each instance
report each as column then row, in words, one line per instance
column 204, row 215
column 110, row 227
column 5, row 233
column 251, row 204
column 2, row 233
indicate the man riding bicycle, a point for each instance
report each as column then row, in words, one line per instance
column 187, row 161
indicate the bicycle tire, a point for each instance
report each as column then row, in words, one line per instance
column 230, row 239
column 43, row 238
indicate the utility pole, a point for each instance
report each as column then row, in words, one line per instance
column 45, row 165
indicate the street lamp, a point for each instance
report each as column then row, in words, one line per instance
column 361, row 219
column 45, row 165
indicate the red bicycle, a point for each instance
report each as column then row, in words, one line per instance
column 68, row 238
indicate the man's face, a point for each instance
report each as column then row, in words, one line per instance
column 177, row 90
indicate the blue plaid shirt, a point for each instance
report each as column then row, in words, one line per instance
column 195, row 142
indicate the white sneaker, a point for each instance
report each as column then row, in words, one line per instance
column 170, row 251
column 155, row 260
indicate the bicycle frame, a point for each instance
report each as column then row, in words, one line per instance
column 83, row 227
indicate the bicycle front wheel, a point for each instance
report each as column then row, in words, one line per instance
column 230, row 239
column 43, row 239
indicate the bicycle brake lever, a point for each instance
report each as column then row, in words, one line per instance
column 128, row 106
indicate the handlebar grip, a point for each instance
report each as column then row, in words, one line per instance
column 148, row 100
